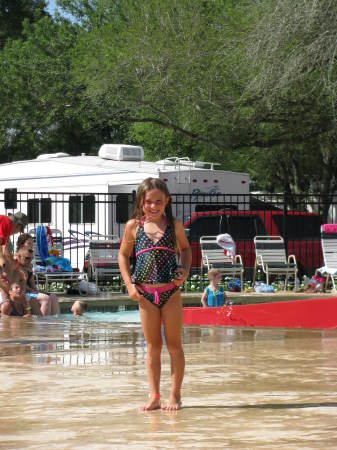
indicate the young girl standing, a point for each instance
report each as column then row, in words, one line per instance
column 156, row 238
column 214, row 294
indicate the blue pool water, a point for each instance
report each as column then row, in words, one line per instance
column 119, row 316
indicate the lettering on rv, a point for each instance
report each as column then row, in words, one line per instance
column 211, row 191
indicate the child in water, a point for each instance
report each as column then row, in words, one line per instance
column 16, row 303
column 157, row 237
column 78, row 308
column 214, row 294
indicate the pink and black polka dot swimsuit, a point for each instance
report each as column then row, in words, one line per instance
column 155, row 263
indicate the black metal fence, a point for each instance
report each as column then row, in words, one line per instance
column 79, row 216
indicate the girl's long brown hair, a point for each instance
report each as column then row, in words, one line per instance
column 148, row 185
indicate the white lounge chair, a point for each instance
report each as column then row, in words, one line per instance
column 329, row 248
column 213, row 257
column 46, row 277
column 103, row 257
column 271, row 258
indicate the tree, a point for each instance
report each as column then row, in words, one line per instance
column 293, row 88
column 173, row 64
column 14, row 12
column 42, row 109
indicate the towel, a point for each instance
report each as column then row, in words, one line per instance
column 226, row 242
column 41, row 242
column 329, row 228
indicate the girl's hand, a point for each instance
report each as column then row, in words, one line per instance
column 180, row 276
column 134, row 294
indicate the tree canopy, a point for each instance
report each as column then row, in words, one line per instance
column 247, row 83
column 14, row 12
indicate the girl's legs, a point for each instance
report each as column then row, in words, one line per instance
column 45, row 303
column 172, row 315
column 55, row 306
column 151, row 323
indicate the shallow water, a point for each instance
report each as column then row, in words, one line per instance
column 77, row 384
column 131, row 316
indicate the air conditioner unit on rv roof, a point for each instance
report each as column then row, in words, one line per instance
column 121, row 152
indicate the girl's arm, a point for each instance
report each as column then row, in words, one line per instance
column 26, row 307
column 203, row 299
column 6, row 308
column 124, row 255
column 185, row 253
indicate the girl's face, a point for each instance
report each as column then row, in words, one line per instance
column 217, row 278
column 154, row 204
column 15, row 290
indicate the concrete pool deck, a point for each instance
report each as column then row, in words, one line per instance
column 116, row 300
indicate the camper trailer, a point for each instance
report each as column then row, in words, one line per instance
column 87, row 195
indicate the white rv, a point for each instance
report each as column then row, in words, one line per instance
column 83, row 195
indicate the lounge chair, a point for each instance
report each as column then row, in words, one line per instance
column 46, row 275
column 103, row 254
column 214, row 257
column 271, row 258
column 329, row 248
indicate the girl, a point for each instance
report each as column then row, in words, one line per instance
column 16, row 303
column 156, row 237
column 214, row 294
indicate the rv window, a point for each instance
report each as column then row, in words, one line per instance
column 75, row 209
column 39, row 210
column 124, row 207
column 82, row 209
column 89, row 209
column 10, row 198
column 45, row 210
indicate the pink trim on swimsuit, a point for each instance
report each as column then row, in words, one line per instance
column 170, row 250
column 158, row 290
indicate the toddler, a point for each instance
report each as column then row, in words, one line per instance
column 214, row 294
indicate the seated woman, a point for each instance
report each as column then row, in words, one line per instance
column 41, row 303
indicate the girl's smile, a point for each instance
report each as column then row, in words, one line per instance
column 154, row 205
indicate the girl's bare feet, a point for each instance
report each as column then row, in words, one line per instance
column 153, row 403
column 174, row 404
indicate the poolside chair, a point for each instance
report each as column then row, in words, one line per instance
column 102, row 256
column 214, row 257
column 329, row 248
column 43, row 273
column 271, row 258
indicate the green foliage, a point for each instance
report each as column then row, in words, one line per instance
column 167, row 63
column 14, row 12
column 42, row 108
column 250, row 84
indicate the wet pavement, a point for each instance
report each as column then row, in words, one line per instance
column 77, row 384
